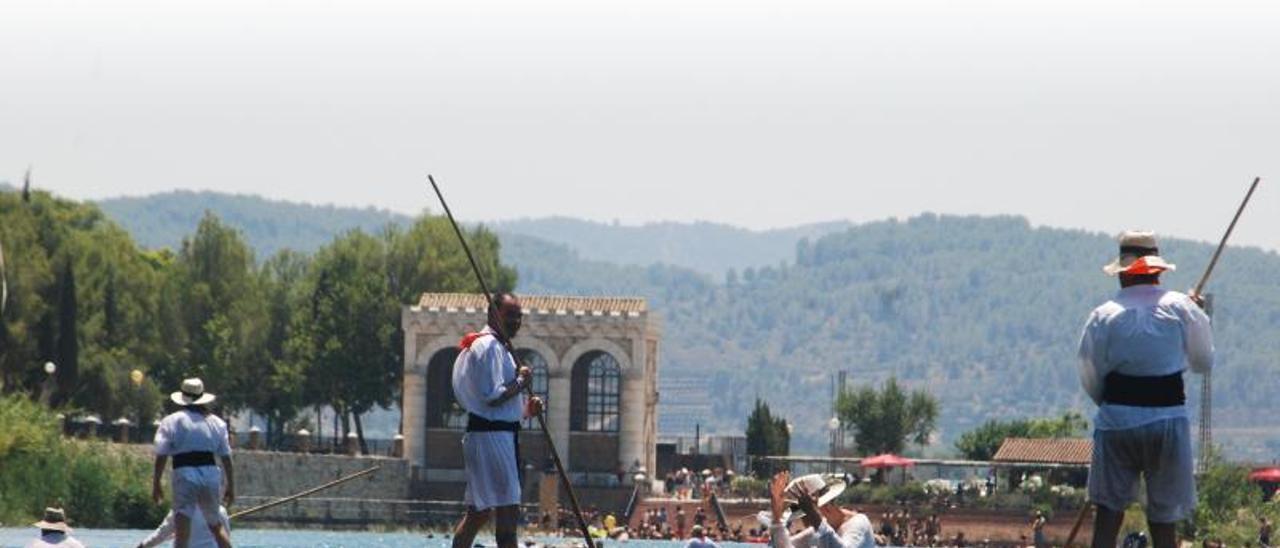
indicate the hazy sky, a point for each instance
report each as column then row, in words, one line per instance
column 1096, row 114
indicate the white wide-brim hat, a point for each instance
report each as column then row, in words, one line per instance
column 192, row 393
column 1139, row 254
column 824, row 488
column 54, row 520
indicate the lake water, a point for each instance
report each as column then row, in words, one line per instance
column 18, row 537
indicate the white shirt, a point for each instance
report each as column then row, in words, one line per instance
column 1144, row 331
column 481, row 374
column 186, row 431
column 200, row 535
column 855, row 532
column 56, row 539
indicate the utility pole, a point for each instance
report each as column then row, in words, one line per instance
column 1206, row 404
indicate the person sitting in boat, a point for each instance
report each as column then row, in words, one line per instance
column 811, row 499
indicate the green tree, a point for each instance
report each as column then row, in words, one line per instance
column 883, row 421
column 767, row 435
column 982, row 442
column 221, row 312
column 67, row 353
column 278, row 395
column 428, row 257
column 347, row 329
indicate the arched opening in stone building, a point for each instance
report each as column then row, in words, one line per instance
column 595, row 393
column 443, row 410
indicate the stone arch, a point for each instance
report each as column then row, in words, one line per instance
column 424, row 352
column 541, row 380
column 576, row 351
column 595, row 403
column 442, row 408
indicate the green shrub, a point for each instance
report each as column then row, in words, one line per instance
column 100, row 485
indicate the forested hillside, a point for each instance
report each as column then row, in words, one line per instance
column 984, row 312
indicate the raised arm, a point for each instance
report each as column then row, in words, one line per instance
column 161, row 535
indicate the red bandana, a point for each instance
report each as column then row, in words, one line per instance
column 469, row 338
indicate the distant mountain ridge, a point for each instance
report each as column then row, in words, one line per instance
column 982, row 311
column 710, row 248
column 162, row 220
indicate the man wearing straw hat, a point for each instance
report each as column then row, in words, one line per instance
column 54, row 531
column 487, row 383
column 811, row 499
column 193, row 437
column 1132, row 354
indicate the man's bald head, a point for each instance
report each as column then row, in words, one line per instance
column 506, row 316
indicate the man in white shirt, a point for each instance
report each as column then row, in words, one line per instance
column 193, row 437
column 200, row 535
column 488, row 384
column 1132, row 354
column 826, row 524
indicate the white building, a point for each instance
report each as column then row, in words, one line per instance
column 595, row 362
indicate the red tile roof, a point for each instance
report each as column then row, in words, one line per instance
column 543, row 304
column 1047, row 450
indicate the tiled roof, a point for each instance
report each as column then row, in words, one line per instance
column 539, row 304
column 1048, row 450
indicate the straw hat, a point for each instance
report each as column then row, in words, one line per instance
column 192, row 393
column 823, row 488
column 1139, row 254
column 54, row 520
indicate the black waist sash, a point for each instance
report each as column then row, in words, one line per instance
column 194, row 458
column 1162, row 391
column 476, row 423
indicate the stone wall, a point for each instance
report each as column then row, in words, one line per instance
column 272, row 474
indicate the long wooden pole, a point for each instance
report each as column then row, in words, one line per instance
column 1075, row 529
column 308, row 492
column 1204, row 279
column 506, row 341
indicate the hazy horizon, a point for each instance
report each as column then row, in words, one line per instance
column 1087, row 115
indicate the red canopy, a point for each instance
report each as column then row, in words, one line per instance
column 1265, row 474
column 887, row 460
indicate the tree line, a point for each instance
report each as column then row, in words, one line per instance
column 275, row 337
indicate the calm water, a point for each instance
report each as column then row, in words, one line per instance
column 13, row 537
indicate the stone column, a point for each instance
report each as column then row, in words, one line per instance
column 255, row 438
column 122, row 430
column 353, row 444
column 414, row 412
column 302, row 441
column 558, row 392
column 632, row 410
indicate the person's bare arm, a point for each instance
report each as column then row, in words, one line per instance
column 229, row 472
column 157, row 490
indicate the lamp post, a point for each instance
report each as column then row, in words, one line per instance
column 834, row 426
column 45, row 389
column 136, row 377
